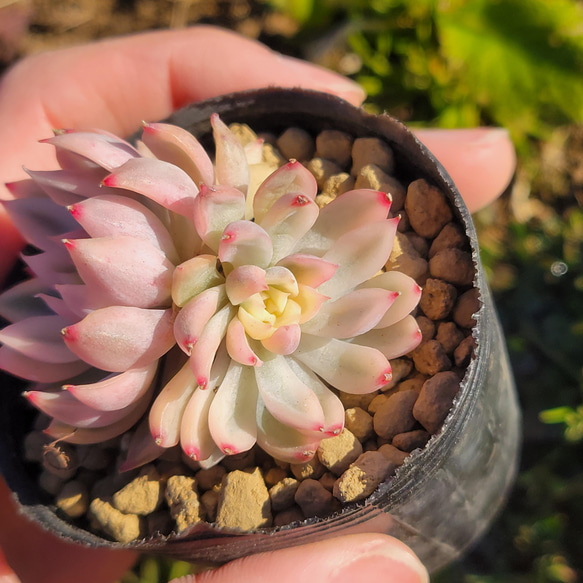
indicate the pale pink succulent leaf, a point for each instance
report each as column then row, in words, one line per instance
column 194, row 316
column 127, row 271
column 291, row 177
column 287, row 221
column 245, row 281
column 52, row 267
column 19, row 365
column 334, row 413
column 214, row 208
column 81, row 299
column 114, row 215
column 245, row 243
column 256, row 328
column 286, row 397
column 37, row 219
column 254, row 151
column 159, row 181
column 106, row 151
column 168, row 407
column 284, row 340
column 179, row 147
column 283, row 279
column 194, row 276
column 238, row 346
column 25, row 189
column 195, row 436
column 39, row 338
column 348, row 367
column 407, row 300
column 309, row 269
column 115, row 391
column 23, row 301
column 59, row 307
column 281, row 441
column 117, row 338
column 231, row 417
column 352, row 314
column 212, row 460
column 142, row 448
column 395, row 340
column 231, row 163
column 309, row 301
column 360, row 253
column 204, row 351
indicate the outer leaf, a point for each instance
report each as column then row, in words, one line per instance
column 393, row 341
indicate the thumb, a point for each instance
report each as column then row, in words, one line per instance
column 360, row 557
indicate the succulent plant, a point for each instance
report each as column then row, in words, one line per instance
column 219, row 299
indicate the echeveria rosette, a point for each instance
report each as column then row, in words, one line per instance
column 259, row 304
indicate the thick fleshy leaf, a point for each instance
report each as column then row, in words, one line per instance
column 25, row 189
column 360, row 253
column 39, row 338
column 205, row 350
column 53, row 267
column 231, row 417
column 282, row 441
column 284, row 340
column 351, row 315
column 309, row 301
column 231, row 163
column 407, row 300
column 292, row 177
column 115, row 391
column 393, row 341
column 117, row 338
column 114, row 215
column 309, row 269
column 245, row 243
column 237, row 344
column 160, row 181
column 59, row 307
column 254, row 151
column 287, row 221
column 22, row 301
column 22, row 366
column 106, row 151
column 142, row 448
column 81, row 299
column 214, row 208
column 195, row 436
column 127, row 271
column 288, row 399
column 168, row 407
column 348, row 367
column 179, row 147
column 245, row 281
column 212, row 460
column 194, row 276
column 194, row 316
column 37, row 219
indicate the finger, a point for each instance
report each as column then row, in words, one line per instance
column 117, row 83
column 7, row 575
column 55, row 560
column 480, row 161
column 361, row 557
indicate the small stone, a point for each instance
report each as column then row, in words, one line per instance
column 288, row 516
column 73, row 499
column 338, row 184
column 209, row 478
column 427, row 207
column 34, row 443
column 467, row 305
column 350, row 400
column 406, row 259
column 272, row 157
column 377, row 402
column 395, row 415
column 359, row 423
column 274, row 475
column 464, row 352
column 430, row 358
column 209, row 502
column 419, row 243
column 371, row 176
column 93, row 458
column 400, row 368
column 363, row 477
column 244, row 503
column 159, row 522
column 239, row 461
column 451, row 236
column 334, row 145
column 371, row 151
column 243, row 133
column 49, row 482
column 427, row 328
column 337, row 453
column 411, row 440
column 327, row 480
column 314, row 499
column 310, row 469
column 452, row 265
column 142, row 495
column 296, row 144
column 60, row 459
column 282, row 494
column 182, row 499
column 449, row 336
column 412, row 384
column 322, row 170
column 435, row 400
column 123, row 528
column 437, row 299
column 394, row 455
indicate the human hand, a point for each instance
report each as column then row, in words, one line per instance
column 114, row 85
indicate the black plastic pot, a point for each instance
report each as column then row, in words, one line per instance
column 445, row 495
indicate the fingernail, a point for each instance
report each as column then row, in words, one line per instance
column 470, row 136
column 386, row 564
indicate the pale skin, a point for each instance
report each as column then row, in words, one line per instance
column 115, row 85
